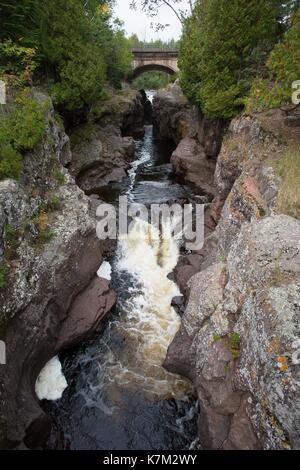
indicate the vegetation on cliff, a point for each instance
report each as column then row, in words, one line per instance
column 283, row 69
column 289, row 194
column 74, row 45
column 21, row 129
column 74, row 48
column 225, row 47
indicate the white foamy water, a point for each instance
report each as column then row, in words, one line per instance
column 150, row 322
column 51, row 382
column 105, row 271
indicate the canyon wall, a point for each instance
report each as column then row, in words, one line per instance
column 53, row 298
column 239, row 337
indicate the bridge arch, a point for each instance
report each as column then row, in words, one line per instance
column 145, row 60
column 139, row 70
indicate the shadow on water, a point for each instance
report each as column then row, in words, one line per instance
column 119, row 396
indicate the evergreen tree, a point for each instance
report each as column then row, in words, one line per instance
column 283, row 68
column 223, row 45
column 73, row 43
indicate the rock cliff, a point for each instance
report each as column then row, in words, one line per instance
column 103, row 148
column 52, row 298
column 239, row 338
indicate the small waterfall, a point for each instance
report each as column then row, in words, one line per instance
column 148, row 323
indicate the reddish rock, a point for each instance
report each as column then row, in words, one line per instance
column 183, row 274
column 192, row 165
column 86, row 313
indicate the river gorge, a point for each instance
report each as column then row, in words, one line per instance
column 119, row 396
column 140, row 343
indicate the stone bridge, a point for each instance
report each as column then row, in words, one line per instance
column 145, row 60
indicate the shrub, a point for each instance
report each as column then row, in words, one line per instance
column 53, row 204
column 284, row 68
column 27, row 122
column 12, row 241
column 42, row 224
column 223, row 45
column 80, row 81
column 66, row 42
column 45, row 236
column 235, row 342
column 59, row 176
column 17, row 63
column 216, row 337
column 20, row 131
column 10, row 160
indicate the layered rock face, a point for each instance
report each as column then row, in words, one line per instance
column 52, row 298
column 198, row 141
column 174, row 118
column 103, row 148
column 239, row 338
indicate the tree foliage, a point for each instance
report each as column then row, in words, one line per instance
column 135, row 42
column 20, row 131
column 153, row 80
column 224, row 44
column 283, row 66
column 75, row 44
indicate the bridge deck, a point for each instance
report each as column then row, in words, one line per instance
column 154, row 51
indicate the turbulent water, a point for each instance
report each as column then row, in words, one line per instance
column 119, row 395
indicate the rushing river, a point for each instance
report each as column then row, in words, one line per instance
column 119, row 397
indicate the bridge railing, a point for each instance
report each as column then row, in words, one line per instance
column 136, row 50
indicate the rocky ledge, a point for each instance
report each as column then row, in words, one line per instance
column 103, row 148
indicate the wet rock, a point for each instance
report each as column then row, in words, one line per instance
column 147, row 106
column 182, row 274
column 241, row 434
column 179, row 304
column 172, row 115
column 137, row 113
column 210, row 134
column 103, row 148
column 209, row 419
column 292, row 121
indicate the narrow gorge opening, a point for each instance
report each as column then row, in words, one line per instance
column 119, row 396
